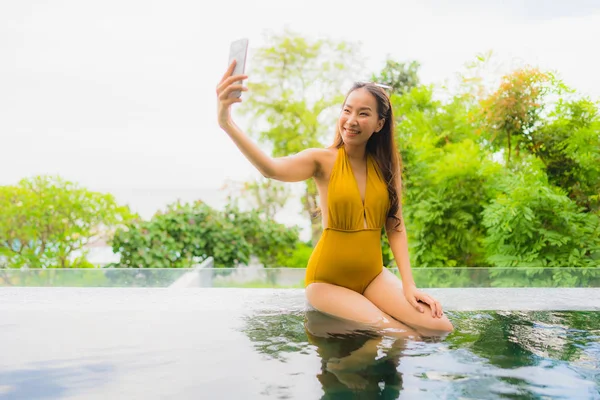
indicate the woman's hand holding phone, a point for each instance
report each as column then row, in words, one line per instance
column 227, row 85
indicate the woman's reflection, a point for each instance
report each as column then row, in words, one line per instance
column 355, row 357
column 356, row 361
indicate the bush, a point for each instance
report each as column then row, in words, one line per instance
column 298, row 258
column 187, row 234
column 534, row 224
column 44, row 220
column 444, row 202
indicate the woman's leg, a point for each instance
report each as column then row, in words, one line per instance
column 385, row 292
column 347, row 304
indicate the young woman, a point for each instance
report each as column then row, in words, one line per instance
column 358, row 180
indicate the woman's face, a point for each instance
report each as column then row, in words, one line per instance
column 359, row 117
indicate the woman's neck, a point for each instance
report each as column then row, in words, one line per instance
column 357, row 152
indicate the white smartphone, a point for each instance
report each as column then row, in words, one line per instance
column 238, row 52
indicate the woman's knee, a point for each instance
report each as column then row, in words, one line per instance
column 444, row 324
column 436, row 326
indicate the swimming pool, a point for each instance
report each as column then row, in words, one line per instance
column 236, row 343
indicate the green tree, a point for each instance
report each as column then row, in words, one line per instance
column 514, row 111
column 186, row 234
column 299, row 256
column 446, row 179
column 568, row 143
column 401, row 77
column 532, row 223
column 266, row 196
column 45, row 220
column 444, row 206
column 181, row 236
column 270, row 241
column 294, row 87
column 459, row 200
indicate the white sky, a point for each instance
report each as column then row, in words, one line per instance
column 119, row 95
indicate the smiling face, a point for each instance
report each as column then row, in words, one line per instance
column 359, row 118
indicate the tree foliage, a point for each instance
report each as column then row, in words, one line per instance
column 46, row 221
column 267, row 196
column 465, row 207
column 513, row 112
column 400, row 77
column 531, row 223
column 568, row 144
column 187, row 234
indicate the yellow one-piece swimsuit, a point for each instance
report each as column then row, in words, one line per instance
column 348, row 254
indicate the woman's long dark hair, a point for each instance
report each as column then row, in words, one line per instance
column 382, row 146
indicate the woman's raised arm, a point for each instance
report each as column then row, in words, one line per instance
column 294, row 168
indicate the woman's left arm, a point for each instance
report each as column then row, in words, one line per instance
column 399, row 246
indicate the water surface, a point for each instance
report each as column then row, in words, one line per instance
column 98, row 343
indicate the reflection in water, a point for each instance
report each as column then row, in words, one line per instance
column 354, row 358
column 491, row 355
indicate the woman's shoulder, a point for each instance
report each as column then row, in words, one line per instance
column 321, row 153
column 323, row 150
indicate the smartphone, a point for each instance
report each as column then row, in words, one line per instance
column 238, row 52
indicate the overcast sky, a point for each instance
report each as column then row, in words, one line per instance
column 119, row 95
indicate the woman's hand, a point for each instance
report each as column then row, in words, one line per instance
column 414, row 296
column 224, row 89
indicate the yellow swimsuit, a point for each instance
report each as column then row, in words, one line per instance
column 348, row 254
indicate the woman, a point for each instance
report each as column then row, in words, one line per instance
column 358, row 181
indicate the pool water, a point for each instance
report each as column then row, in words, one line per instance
column 517, row 355
column 156, row 343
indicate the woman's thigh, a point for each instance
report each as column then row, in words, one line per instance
column 385, row 292
column 340, row 302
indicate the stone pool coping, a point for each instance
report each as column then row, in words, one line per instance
column 237, row 299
